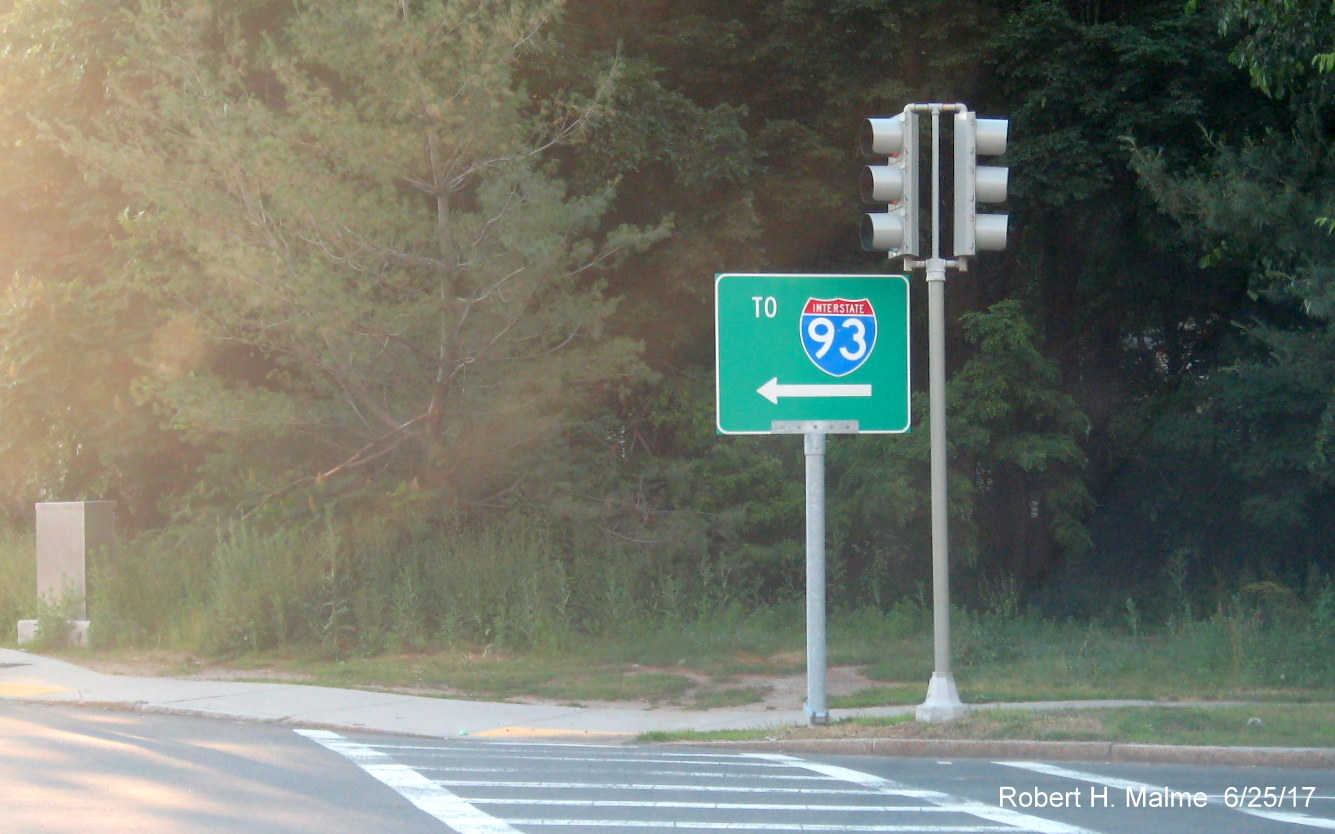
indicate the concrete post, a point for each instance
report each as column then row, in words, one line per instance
column 68, row 533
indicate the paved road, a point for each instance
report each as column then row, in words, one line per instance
column 91, row 771
column 1183, row 799
column 491, row 788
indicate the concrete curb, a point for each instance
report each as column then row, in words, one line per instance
column 1089, row 751
column 1075, row 751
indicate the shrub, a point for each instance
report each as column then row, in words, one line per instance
column 18, row 579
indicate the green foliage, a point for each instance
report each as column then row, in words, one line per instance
column 367, row 594
column 394, row 268
column 18, row 577
column 505, row 587
column 55, row 619
column 69, row 347
column 1079, row 87
column 1017, row 486
column 1283, row 44
column 337, row 590
column 359, row 267
column 19, row 599
column 1260, row 425
column 334, row 590
column 1016, row 423
column 682, row 518
column 155, row 590
column 1262, row 636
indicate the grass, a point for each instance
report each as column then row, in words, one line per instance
column 1019, row 659
column 699, row 662
column 1260, row 725
column 477, row 676
column 502, row 615
column 654, row 687
column 904, row 694
column 18, row 578
column 495, row 676
column 707, row 674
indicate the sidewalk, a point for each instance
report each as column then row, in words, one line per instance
column 34, row 678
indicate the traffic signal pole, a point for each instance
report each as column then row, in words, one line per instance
column 971, row 232
column 943, row 701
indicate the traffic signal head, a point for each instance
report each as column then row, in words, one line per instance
column 895, row 182
column 976, row 183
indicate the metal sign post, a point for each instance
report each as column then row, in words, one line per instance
column 812, row 355
column 813, row 445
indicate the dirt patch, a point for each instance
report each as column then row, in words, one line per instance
column 182, row 666
column 775, row 692
column 789, row 692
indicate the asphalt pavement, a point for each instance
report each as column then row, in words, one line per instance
column 35, row 678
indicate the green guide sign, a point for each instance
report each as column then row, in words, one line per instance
column 804, row 348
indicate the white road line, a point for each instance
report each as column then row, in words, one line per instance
column 413, row 786
column 694, row 774
column 718, row 806
column 522, row 748
column 650, row 786
column 764, row 826
column 1291, row 817
column 481, row 753
column 1006, row 816
column 487, row 744
column 1066, row 773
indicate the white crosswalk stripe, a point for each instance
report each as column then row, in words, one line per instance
column 413, row 786
column 487, row 788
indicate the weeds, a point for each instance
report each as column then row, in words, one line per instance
column 18, row 579
column 19, row 599
column 55, row 619
column 338, row 592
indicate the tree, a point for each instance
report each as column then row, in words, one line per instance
column 1018, row 495
column 70, row 344
column 1266, row 417
column 364, row 273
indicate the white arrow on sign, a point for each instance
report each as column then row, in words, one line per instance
column 774, row 389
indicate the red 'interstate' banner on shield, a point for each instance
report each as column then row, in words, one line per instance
column 837, row 307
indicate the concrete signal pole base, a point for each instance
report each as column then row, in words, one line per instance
column 943, row 702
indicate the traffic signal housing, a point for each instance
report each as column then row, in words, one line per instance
column 974, row 184
column 895, row 183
